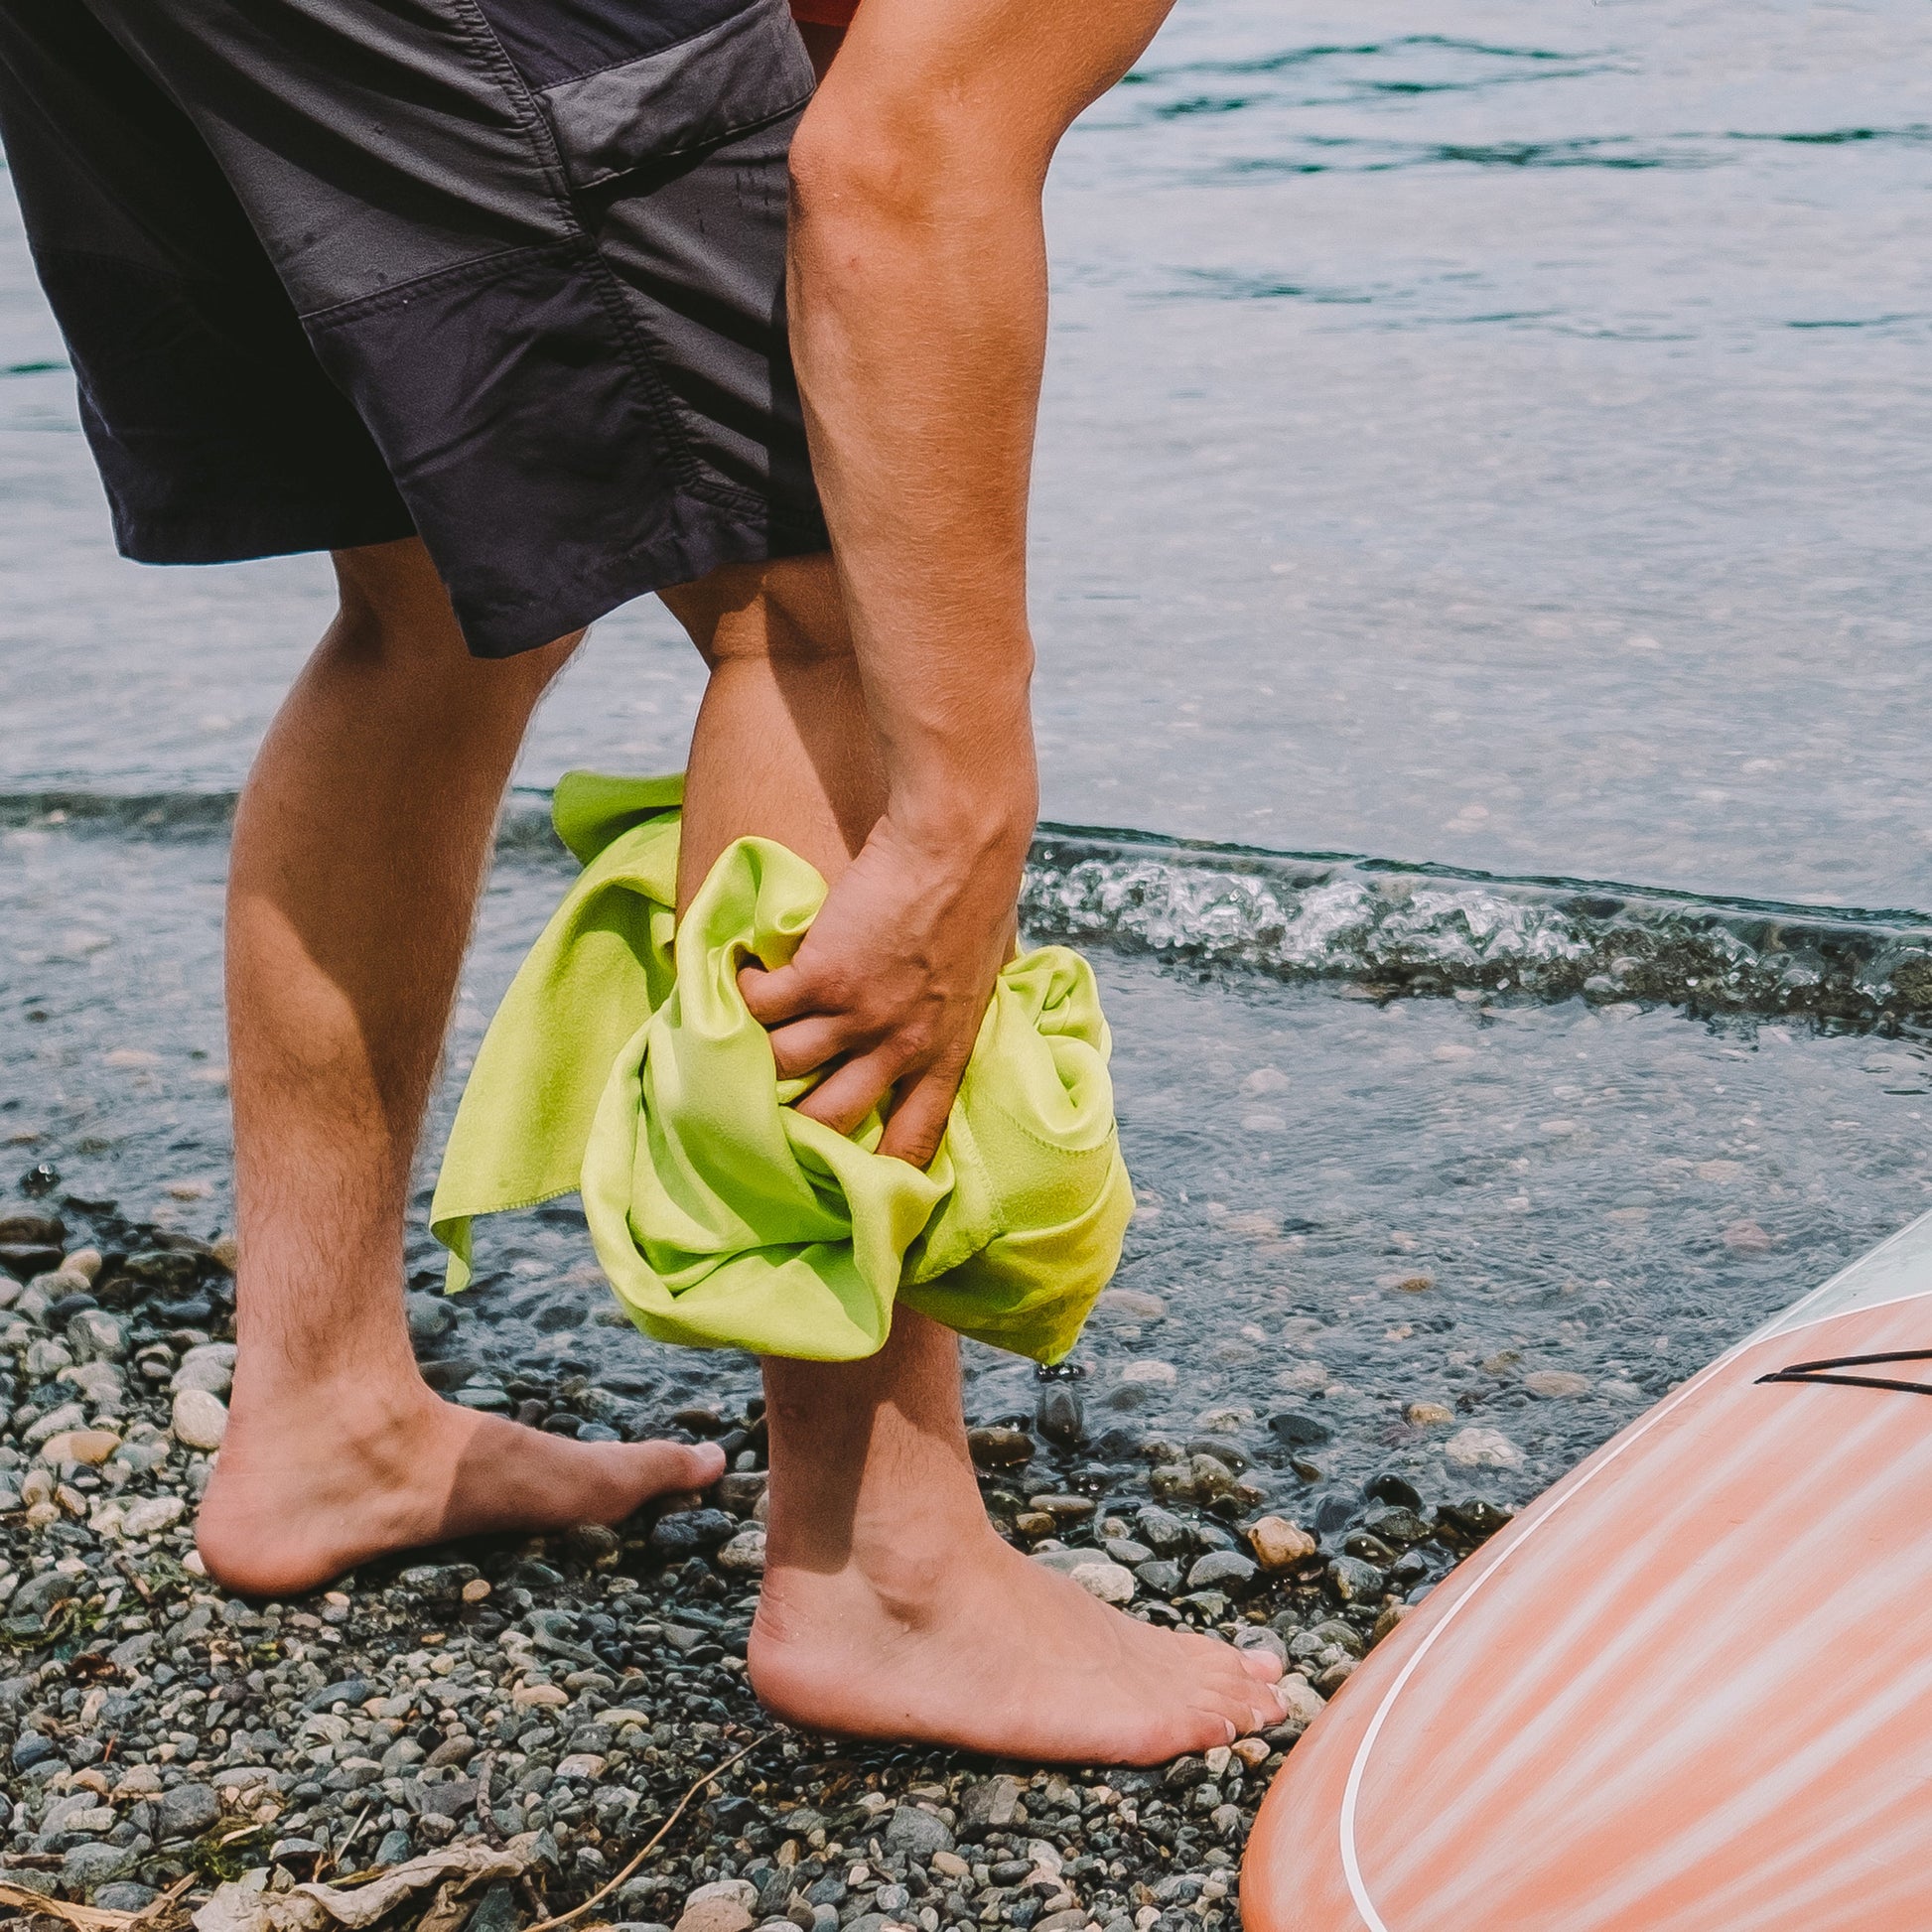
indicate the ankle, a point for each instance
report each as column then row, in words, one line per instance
column 347, row 1399
column 902, row 1551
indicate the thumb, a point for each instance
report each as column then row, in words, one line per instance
column 775, row 996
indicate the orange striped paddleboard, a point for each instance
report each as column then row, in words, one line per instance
column 1688, row 1690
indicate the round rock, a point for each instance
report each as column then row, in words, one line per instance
column 1482, row 1448
column 744, row 1555
column 152, row 1514
column 210, row 1367
column 725, row 1905
column 1106, row 1581
column 200, row 1419
column 1221, row 1569
column 90, row 1445
column 1556, row 1383
column 1279, row 1544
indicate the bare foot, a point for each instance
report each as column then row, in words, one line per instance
column 307, row 1488
column 977, row 1646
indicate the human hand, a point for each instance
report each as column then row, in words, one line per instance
column 888, row 988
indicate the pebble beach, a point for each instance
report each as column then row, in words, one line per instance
column 506, row 1733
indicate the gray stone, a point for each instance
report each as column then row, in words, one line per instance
column 98, row 1336
column 1161, row 1579
column 991, row 1805
column 1059, row 1416
column 32, row 1746
column 499, row 1910
column 1398, row 1525
column 1221, row 1569
column 1298, row 1430
column 209, row 1366
column 1162, row 1530
column 430, row 1316
column 125, row 1895
column 1124, row 1549
column 691, row 1531
column 57, row 1421
column 95, row 1863
column 637, row 1894
column 394, row 1848
column 347, row 1690
column 354, row 1773
column 1354, row 1580
column 149, row 1515
column 918, row 1834
column 185, row 1811
column 1335, row 1630
column 450, row 1799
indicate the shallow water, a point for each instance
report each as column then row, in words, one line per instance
column 1349, row 1201
column 1495, row 447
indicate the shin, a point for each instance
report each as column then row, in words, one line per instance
column 358, row 852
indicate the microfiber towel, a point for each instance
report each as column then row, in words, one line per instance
column 623, row 1064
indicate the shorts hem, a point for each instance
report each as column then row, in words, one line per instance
column 665, row 561
column 201, row 541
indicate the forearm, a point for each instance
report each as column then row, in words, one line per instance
column 919, row 323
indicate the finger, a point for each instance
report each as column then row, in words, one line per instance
column 849, row 1093
column 918, row 1118
column 771, row 997
column 806, row 1044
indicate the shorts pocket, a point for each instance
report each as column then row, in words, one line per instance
column 742, row 72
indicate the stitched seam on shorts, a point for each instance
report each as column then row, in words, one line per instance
column 740, row 131
column 537, row 131
column 694, row 476
column 376, row 300
column 697, row 482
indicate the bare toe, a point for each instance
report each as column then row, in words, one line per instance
column 1263, row 1664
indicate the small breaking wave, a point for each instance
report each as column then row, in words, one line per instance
column 1423, row 929
column 1392, row 927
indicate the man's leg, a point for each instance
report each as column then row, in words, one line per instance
column 358, row 852
column 891, row 1607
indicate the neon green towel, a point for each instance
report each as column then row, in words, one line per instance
column 624, row 1063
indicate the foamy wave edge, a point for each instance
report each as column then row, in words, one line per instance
column 1398, row 928
column 1380, row 924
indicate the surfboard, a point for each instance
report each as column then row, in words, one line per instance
column 1688, row 1690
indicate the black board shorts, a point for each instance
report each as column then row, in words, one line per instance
column 505, row 274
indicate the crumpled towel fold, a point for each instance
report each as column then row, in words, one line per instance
column 623, row 1064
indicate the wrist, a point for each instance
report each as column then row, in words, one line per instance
column 982, row 812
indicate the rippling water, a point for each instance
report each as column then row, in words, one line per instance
column 1478, row 465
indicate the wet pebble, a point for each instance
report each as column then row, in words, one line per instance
column 560, row 1694
column 1279, row 1544
column 1477, row 1447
